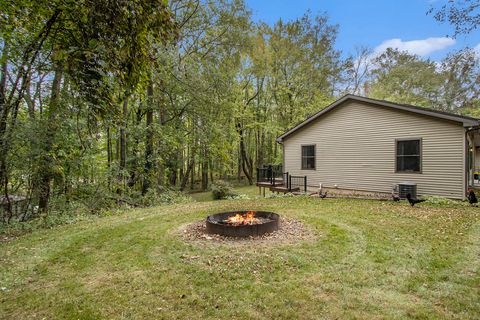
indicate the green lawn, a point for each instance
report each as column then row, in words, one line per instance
column 370, row 260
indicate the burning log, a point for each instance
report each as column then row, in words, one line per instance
column 243, row 223
column 242, row 219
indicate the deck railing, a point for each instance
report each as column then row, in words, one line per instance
column 272, row 175
column 297, row 182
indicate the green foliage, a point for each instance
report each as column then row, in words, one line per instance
column 451, row 85
column 93, row 198
column 162, row 197
column 280, row 195
column 222, row 190
column 240, row 196
column 404, row 78
column 441, row 201
column 463, row 15
column 54, row 219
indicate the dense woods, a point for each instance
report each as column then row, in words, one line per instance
column 116, row 102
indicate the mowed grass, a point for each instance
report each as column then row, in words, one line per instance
column 369, row 260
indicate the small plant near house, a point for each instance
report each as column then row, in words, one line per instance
column 222, row 190
column 239, row 197
column 279, row 195
column 442, row 201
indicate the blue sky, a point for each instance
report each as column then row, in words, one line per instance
column 374, row 23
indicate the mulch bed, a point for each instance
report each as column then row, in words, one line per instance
column 290, row 231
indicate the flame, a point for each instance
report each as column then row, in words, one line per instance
column 243, row 219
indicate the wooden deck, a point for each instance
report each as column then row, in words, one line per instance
column 277, row 181
column 267, row 184
column 278, row 187
column 283, row 189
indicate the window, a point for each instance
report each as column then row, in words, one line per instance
column 409, row 157
column 308, row 157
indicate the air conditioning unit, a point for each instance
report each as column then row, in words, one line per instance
column 405, row 188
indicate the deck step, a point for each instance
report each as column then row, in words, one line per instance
column 283, row 189
column 268, row 184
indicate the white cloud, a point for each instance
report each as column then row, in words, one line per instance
column 420, row 47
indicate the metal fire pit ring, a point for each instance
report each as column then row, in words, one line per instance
column 215, row 224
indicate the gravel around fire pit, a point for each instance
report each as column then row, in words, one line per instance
column 290, row 231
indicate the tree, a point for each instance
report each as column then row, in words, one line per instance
column 404, row 78
column 358, row 70
column 463, row 15
column 451, row 85
column 460, row 90
column 107, row 103
column 89, row 42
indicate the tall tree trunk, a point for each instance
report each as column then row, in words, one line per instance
column 204, row 170
column 123, row 142
column 190, row 167
column 181, row 163
column 109, row 155
column 3, row 78
column 45, row 172
column 247, row 165
column 117, row 147
column 210, row 165
column 3, row 120
column 161, row 119
column 199, row 171
column 172, row 177
column 148, row 140
column 260, row 147
column 133, row 170
column 192, row 174
column 239, row 164
column 30, row 102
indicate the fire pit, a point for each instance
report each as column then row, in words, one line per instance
column 242, row 223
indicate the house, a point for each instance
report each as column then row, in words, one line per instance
column 363, row 144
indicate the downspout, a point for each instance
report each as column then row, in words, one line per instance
column 467, row 157
column 283, row 155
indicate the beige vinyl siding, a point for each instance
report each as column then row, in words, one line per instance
column 355, row 149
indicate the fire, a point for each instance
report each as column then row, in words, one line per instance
column 242, row 219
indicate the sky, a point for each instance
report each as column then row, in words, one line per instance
column 377, row 24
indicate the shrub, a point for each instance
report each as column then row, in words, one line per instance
column 161, row 197
column 94, row 199
column 173, row 197
column 238, row 197
column 279, row 195
column 222, row 190
column 87, row 203
column 53, row 219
